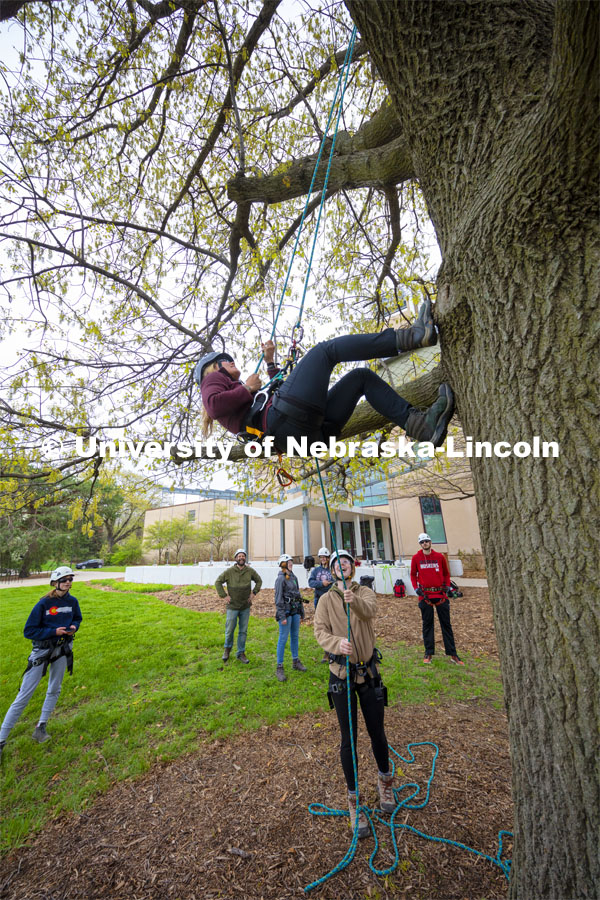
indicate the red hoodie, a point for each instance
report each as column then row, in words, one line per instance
column 229, row 401
column 430, row 571
column 226, row 400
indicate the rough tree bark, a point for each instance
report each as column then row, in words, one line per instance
column 499, row 105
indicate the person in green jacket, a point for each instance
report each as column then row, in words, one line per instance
column 238, row 579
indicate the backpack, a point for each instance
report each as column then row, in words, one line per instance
column 399, row 588
column 367, row 580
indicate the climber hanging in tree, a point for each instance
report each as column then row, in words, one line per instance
column 303, row 405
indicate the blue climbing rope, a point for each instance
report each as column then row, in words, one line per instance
column 339, row 90
column 372, row 815
column 347, row 859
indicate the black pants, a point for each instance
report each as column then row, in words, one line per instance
column 443, row 612
column 308, row 383
column 372, row 710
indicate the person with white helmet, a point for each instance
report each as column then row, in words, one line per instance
column 289, row 612
column 303, row 405
column 331, row 632
column 51, row 626
column 238, row 579
column 430, row 577
column 320, row 580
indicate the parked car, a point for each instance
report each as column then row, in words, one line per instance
column 90, row 564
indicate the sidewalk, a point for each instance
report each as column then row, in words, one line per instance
column 83, row 575
column 471, row 582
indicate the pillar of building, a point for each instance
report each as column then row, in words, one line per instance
column 305, row 532
column 282, row 536
column 246, row 533
column 357, row 535
column 387, row 538
column 338, row 532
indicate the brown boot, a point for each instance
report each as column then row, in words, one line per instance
column 387, row 801
column 298, row 666
column 363, row 825
column 226, row 652
column 421, row 333
column 281, row 676
column 432, row 425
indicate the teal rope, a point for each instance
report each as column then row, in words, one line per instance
column 353, row 844
column 319, row 809
column 342, row 80
column 372, row 815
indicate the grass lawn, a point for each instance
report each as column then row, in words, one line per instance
column 149, row 683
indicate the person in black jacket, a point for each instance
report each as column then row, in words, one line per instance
column 289, row 612
column 51, row 626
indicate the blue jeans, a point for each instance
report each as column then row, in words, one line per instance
column 291, row 630
column 30, row 681
column 237, row 617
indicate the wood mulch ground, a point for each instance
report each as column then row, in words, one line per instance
column 231, row 820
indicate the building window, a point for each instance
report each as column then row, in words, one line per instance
column 379, row 536
column 191, row 515
column 365, row 536
column 431, row 511
column 348, row 542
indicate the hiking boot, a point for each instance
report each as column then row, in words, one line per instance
column 242, row 657
column 226, row 653
column 387, row 801
column 281, row 676
column 427, row 659
column 363, row 825
column 421, row 333
column 432, row 425
column 297, row 665
column 456, row 660
column 2, row 745
column 40, row 734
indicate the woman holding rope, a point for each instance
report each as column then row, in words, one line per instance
column 331, row 632
column 304, row 405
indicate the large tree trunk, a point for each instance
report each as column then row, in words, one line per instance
column 499, row 106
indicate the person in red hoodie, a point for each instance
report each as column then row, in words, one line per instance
column 430, row 577
column 304, row 405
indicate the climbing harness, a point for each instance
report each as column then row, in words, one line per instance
column 62, row 644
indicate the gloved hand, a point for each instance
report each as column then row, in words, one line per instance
column 420, row 592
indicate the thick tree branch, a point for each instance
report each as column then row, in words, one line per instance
column 379, row 167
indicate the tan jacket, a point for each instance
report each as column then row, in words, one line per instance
column 331, row 625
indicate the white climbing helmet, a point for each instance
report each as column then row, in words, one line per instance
column 323, row 552
column 423, row 537
column 337, row 556
column 284, row 558
column 238, row 551
column 61, row 572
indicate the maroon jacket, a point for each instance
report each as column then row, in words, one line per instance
column 229, row 401
column 430, row 572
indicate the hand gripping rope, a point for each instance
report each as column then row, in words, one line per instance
column 372, row 815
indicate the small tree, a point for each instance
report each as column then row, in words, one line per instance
column 127, row 553
column 158, row 537
column 219, row 532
